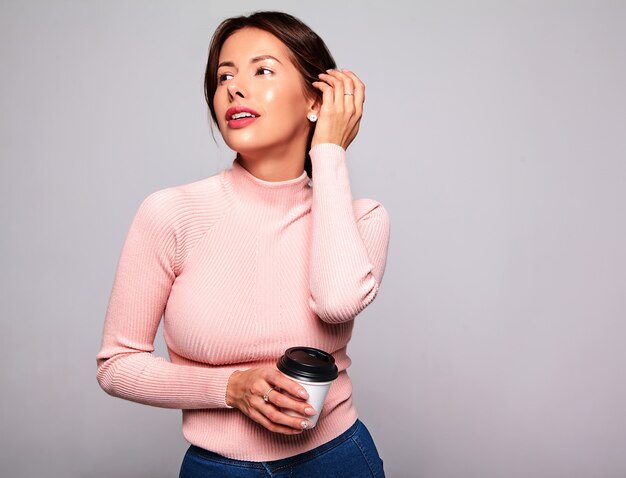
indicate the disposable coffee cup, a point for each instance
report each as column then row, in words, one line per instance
column 312, row 368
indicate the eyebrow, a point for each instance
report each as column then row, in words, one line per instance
column 256, row 59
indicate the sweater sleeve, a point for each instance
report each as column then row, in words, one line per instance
column 146, row 271
column 350, row 240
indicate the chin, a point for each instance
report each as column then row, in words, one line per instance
column 249, row 146
column 240, row 140
column 244, row 147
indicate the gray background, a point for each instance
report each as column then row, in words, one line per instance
column 495, row 135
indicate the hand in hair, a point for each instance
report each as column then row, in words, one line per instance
column 343, row 95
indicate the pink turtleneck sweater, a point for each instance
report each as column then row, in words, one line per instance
column 240, row 269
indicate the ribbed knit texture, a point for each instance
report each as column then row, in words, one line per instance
column 241, row 269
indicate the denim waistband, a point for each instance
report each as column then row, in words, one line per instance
column 277, row 465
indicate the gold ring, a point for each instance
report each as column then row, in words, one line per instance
column 266, row 397
column 348, row 94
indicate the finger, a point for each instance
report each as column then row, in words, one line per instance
column 263, row 420
column 333, row 80
column 286, row 402
column 348, row 86
column 356, row 81
column 359, row 91
column 351, row 112
column 285, row 384
column 266, row 413
column 327, row 94
column 331, row 102
column 358, row 100
column 346, row 79
column 278, row 417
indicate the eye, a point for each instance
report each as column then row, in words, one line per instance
column 224, row 77
column 263, row 71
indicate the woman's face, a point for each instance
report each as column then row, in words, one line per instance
column 259, row 102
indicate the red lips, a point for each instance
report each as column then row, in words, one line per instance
column 242, row 121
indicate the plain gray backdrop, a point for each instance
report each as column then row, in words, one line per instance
column 495, row 135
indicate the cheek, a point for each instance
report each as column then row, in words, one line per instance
column 278, row 103
column 283, row 102
column 269, row 96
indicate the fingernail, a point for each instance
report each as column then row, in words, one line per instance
column 304, row 424
column 309, row 411
column 303, row 394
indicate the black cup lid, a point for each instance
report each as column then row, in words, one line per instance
column 308, row 364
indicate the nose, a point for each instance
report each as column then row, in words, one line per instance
column 235, row 89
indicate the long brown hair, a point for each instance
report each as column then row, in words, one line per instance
column 309, row 54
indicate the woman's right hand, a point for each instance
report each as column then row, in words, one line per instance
column 245, row 391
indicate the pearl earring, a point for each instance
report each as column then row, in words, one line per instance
column 312, row 117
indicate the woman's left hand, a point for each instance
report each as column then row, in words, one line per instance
column 343, row 95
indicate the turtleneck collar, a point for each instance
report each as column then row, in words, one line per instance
column 282, row 195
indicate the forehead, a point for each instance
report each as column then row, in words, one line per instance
column 249, row 43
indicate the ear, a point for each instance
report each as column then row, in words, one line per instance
column 314, row 105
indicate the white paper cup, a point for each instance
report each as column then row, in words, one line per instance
column 312, row 368
column 317, row 395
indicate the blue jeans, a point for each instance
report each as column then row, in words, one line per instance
column 350, row 455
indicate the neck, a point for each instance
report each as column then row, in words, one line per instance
column 275, row 165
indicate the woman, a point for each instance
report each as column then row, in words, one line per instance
column 252, row 261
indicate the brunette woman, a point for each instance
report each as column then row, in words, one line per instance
column 269, row 254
